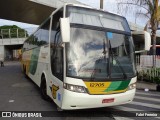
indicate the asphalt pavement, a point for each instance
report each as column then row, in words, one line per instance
column 18, row 93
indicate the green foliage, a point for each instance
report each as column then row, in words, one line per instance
column 150, row 75
column 13, row 31
column 157, row 80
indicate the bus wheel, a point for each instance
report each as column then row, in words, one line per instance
column 43, row 89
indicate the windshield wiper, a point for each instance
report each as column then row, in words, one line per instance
column 104, row 52
column 119, row 64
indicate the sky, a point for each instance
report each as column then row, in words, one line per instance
column 109, row 5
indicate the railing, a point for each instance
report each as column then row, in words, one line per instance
column 13, row 33
column 145, row 68
column 12, row 41
column 146, row 61
column 149, row 74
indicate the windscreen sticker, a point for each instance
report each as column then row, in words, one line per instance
column 109, row 35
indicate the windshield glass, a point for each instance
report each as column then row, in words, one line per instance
column 121, row 55
column 94, row 54
column 87, row 54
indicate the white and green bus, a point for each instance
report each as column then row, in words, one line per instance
column 82, row 57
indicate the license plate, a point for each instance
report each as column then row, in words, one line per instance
column 108, row 100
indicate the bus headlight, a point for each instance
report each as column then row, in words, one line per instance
column 75, row 88
column 132, row 86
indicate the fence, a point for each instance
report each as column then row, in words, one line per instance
column 147, row 61
column 13, row 33
column 145, row 68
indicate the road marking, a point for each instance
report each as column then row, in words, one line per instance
column 128, row 110
column 145, row 104
column 147, row 98
column 145, row 93
column 121, row 118
column 123, row 109
column 11, row 101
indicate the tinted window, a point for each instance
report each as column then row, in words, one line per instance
column 45, row 33
column 30, row 43
column 39, row 38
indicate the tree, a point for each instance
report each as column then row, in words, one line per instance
column 13, row 31
column 149, row 9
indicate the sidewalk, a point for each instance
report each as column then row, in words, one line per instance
column 146, row 85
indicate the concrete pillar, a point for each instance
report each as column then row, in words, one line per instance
column 101, row 4
column 1, row 52
column 9, row 33
column 17, row 33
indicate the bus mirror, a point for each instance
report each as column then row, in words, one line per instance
column 147, row 38
column 142, row 41
column 65, row 29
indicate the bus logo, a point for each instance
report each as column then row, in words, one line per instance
column 54, row 90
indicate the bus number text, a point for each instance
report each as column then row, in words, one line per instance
column 96, row 84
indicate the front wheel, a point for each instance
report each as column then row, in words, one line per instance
column 43, row 89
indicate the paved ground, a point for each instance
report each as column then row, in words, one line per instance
column 146, row 85
column 20, row 94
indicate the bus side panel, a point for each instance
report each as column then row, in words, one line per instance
column 55, row 89
column 37, row 63
column 30, row 61
column 26, row 58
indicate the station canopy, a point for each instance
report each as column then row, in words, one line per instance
column 30, row 11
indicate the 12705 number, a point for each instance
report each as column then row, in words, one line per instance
column 96, row 84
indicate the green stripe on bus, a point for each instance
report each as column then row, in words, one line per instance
column 34, row 61
column 123, row 85
column 113, row 86
column 118, row 85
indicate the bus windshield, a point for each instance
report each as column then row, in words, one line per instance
column 93, row 54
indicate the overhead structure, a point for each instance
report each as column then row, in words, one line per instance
column 30, row 11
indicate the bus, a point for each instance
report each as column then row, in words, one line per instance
column 82, row 57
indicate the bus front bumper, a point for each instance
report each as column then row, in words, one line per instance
column 73, row 100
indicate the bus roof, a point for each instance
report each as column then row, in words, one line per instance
column 86, row 6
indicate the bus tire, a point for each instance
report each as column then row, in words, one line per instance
column 43, row 89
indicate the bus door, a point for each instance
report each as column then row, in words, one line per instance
column 57, row 59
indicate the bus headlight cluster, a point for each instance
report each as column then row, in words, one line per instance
column 132, row 86
column 75, row 88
